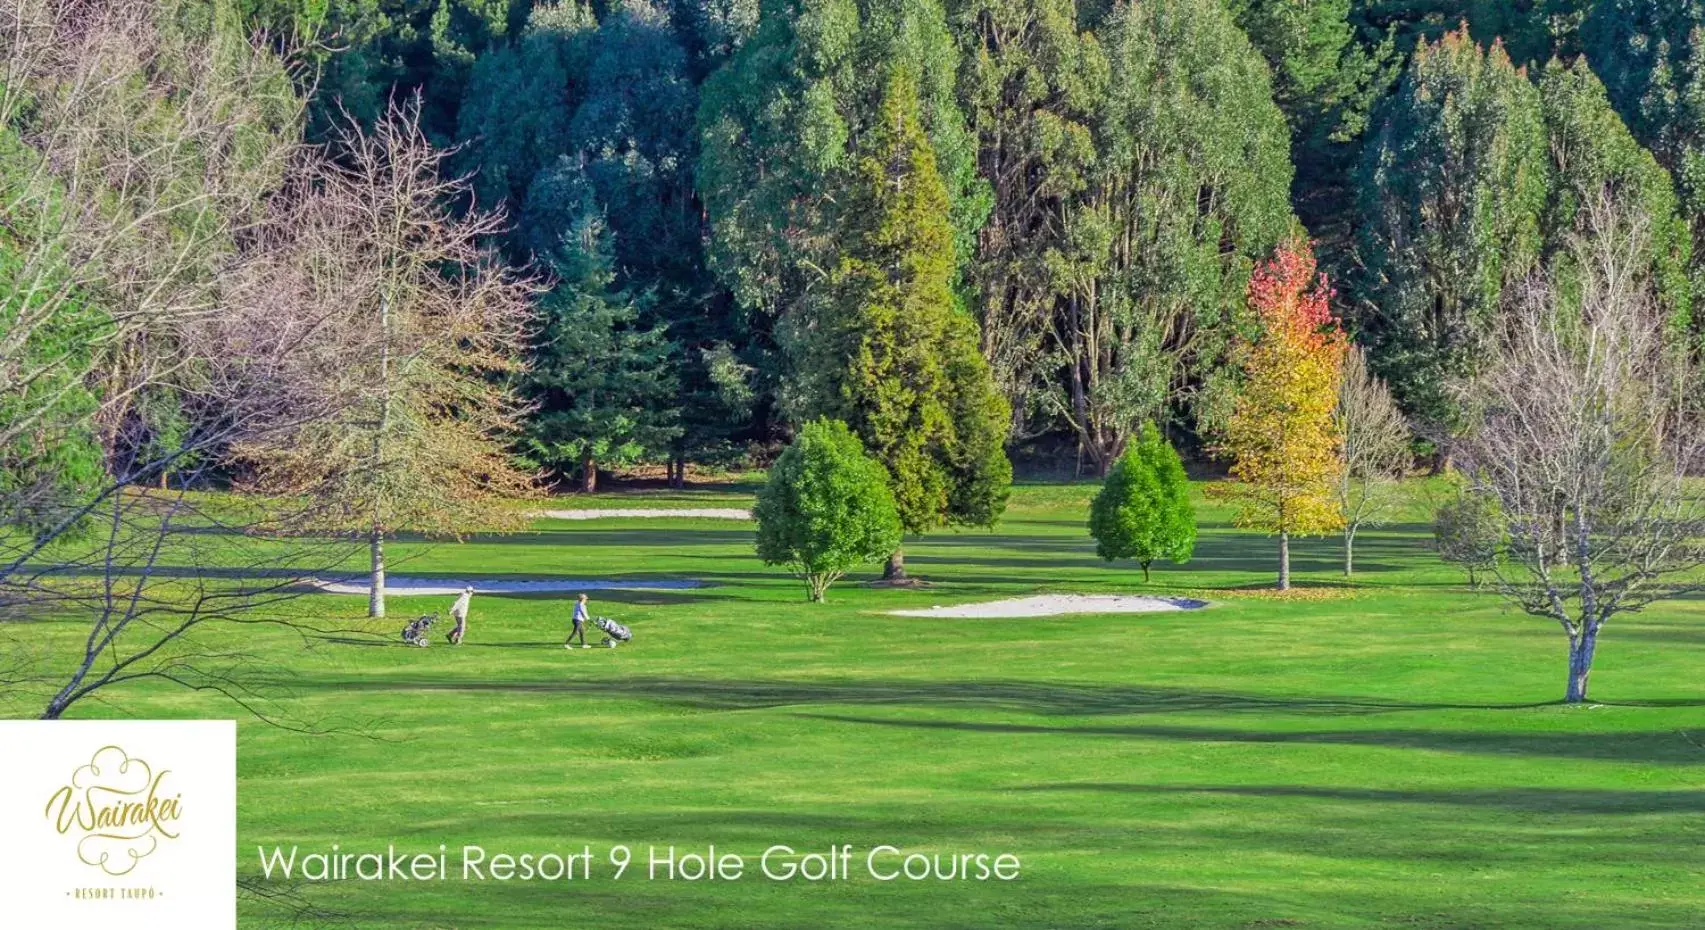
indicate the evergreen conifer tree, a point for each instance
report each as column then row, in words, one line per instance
column 601, row 376
column 888, row 350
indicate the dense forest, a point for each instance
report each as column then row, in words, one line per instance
column 976, row 226
column 688, row 176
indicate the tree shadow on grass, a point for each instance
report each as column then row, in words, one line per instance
column 1525, row 800
column 628, row 596
column 1658, row 746
column 1042, row 698
column 1238, row 551
column 1091, row 563
column 387, row 643
column 1242, row 552
column 1658, row 634
column 624, row 539
column 958, row 581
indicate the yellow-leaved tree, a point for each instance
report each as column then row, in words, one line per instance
column 1282, row 434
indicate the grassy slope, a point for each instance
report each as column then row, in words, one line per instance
column 1382, row 757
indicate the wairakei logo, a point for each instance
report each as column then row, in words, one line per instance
column 106, row 823
column 119, row 808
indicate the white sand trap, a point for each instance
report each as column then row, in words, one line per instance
column 449, row 587
column 1053, row 605
column 700, row 513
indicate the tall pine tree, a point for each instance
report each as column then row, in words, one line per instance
column 600, row 377
column 614, row 120
column 781, row 126
column 887, row 349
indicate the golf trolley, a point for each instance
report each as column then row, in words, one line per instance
column 613, row 632
column 415, row 633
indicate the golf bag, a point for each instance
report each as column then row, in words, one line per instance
column 415, row 633
column 613, row 632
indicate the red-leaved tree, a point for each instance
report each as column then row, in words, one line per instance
column 1282, row 433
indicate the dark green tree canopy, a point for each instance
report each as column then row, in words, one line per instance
column 1110, row 172
column 782, row 124
column 1595, row 164
column 615, row 112
column 1452, row 188
column 615, row 127
column 1651, row 56
column 505, row 146
column 367, row 53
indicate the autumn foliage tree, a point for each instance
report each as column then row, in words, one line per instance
column 1282, row 435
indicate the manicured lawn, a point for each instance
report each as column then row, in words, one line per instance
column 1378, row 756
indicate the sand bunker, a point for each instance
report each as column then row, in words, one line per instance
column 700, row 513
column 449, row 587
column 1053, row 605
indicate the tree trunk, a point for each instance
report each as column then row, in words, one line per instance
column 1580, row 665
column 62, row 700
column 1284, row 561
column 376, row 540
column 588, row 475
column 1146, row 573
column 376, row 593
column 895, row 570
column 163, row 486
column 1350, row 554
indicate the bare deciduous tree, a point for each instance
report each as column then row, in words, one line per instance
column 148, row 570
column 441, row 324
column 1587, row 439
column 137, row 144
column 1375, row 449
column 141, row 157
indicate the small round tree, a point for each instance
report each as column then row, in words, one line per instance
column 1143, row 511
column 826, row 508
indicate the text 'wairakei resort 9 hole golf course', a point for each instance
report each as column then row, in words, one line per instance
column 1387, row 754
column 852, row 464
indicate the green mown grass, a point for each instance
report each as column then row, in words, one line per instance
column 1382, row 755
